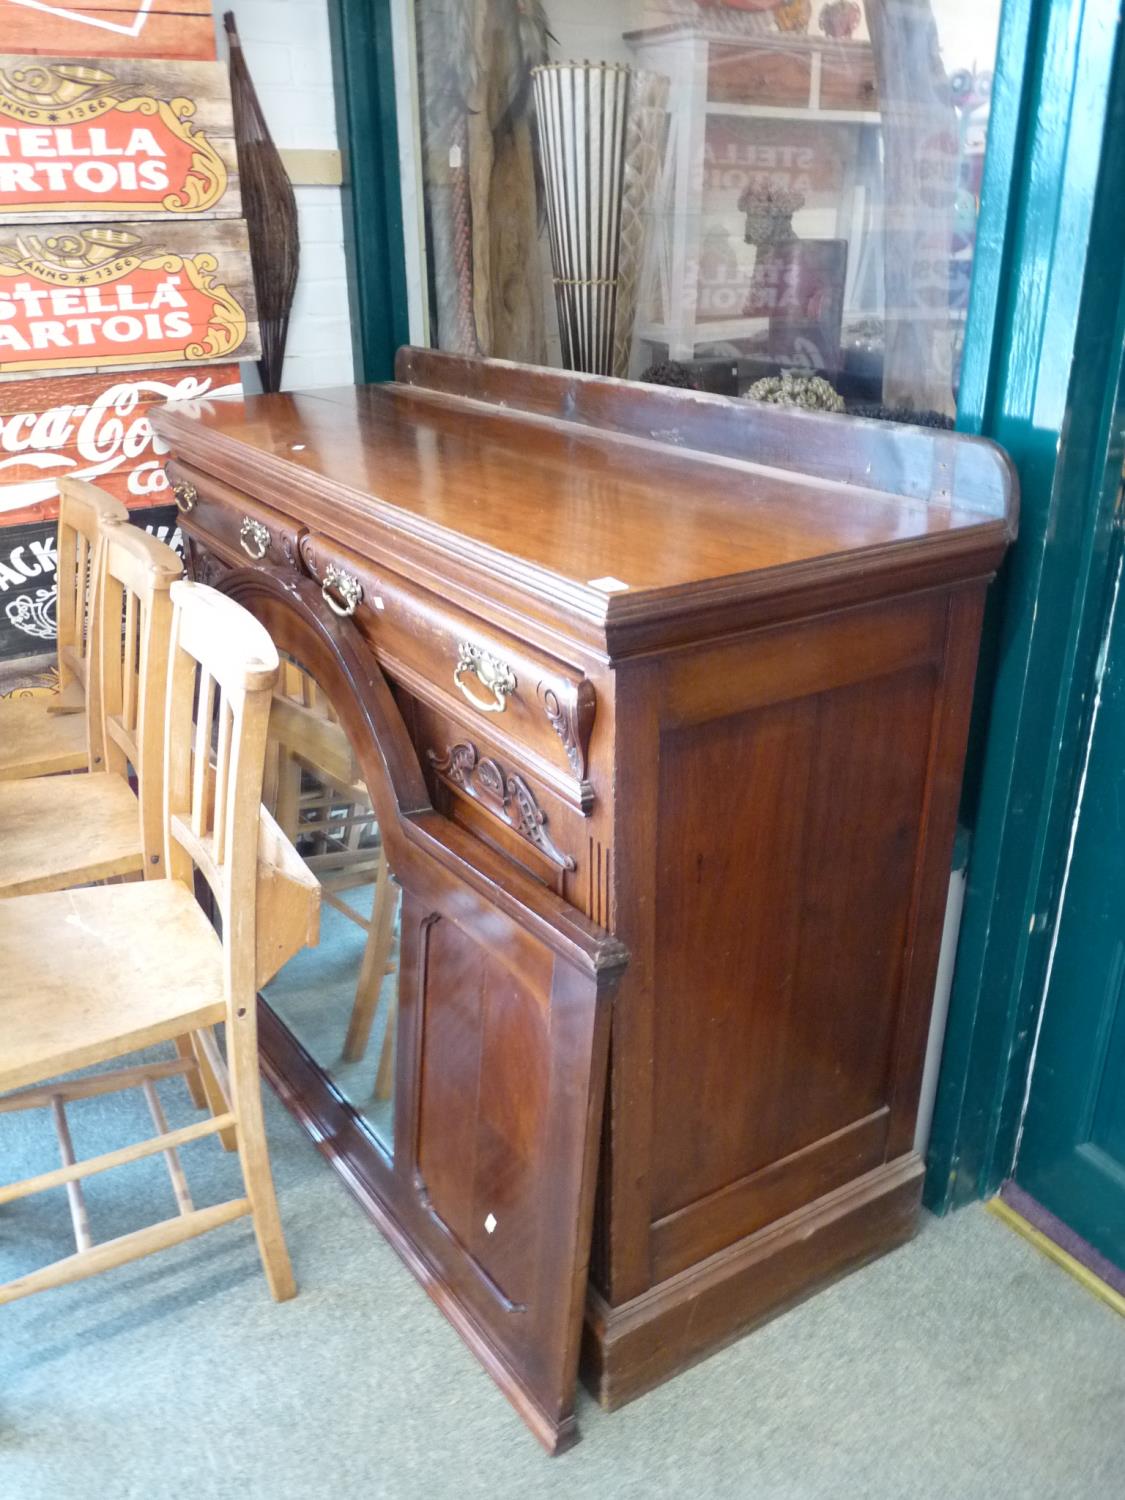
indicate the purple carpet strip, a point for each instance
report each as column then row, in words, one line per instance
column 1063, row 1236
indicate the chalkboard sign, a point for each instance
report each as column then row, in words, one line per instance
column 28, row 590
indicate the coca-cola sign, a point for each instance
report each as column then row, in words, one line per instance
column 92, row 428
column 91, row 139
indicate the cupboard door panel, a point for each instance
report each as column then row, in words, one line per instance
column 504, row 1045
column 482, row 1103
column 499, row 1024
column 794, row 975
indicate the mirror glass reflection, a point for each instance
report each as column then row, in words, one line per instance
column 340, row 998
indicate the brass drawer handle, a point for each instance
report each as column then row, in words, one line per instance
column 348, row 588
column 494, row 675
column 185, row 495
column 253, row 538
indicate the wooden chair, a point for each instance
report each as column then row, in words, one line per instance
column 46, row 736
column 334, row 816
column 87, row 976
column 59, row 831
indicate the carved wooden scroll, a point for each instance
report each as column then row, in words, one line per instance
column 506, row 794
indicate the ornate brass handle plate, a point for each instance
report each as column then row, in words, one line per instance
column 253, row 538
column 185, row 495
column 341, row 592
column 494, row 675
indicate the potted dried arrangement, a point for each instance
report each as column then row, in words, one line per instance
column 839, row 19
column 809, row 392
column 769, row 211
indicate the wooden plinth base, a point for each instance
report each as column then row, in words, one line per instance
column 629, row 1349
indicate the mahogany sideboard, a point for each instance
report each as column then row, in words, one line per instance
column 655, row 673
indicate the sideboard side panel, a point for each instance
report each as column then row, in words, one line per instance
column 803, row 783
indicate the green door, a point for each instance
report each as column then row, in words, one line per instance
column 1071, row 1155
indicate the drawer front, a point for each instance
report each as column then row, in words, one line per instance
column 536, row 710
column 847, row 80
column 753, row 75
column 241, row 528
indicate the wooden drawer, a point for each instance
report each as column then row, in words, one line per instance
column 241, row 529
column 755, row 75
column 847, row 80
column 537, row 710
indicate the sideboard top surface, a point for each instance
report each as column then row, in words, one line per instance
column 605, row 521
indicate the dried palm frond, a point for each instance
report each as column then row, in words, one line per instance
column 270, row 209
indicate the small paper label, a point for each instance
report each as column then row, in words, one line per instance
column 455, row 158
column 490, row 1223
column 607, row 585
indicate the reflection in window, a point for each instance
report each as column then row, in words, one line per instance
column 723, row 193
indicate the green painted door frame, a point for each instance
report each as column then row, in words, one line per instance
column 367, row 128
column 1041, row 378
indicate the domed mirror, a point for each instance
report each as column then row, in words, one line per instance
column 339, row 999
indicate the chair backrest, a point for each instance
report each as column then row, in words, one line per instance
column 82, row 507
column 222, row 670
column 133, row 629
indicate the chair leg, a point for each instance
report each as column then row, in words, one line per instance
column 287, row 809
column 384, row 1078
column 376, row 951
column 192, row 1077
column 253, row 1155
column 214, row 1094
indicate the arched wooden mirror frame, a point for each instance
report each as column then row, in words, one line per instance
column 503, row 989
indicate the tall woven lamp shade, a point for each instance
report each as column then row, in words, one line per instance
column 600, row 127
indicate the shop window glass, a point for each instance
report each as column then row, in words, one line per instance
column 715, row 193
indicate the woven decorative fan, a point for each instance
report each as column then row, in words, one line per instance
column 270, row 209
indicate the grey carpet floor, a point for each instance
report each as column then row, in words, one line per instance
column 964, row 1365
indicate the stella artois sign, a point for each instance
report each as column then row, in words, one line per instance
column 93, row 427
column 112, row 298
column 110, row 28
column 94, row 140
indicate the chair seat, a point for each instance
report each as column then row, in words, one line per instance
column 36, row 742
column 149, row 969
column 57, row 831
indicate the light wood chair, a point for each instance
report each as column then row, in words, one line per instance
column 88, row 976
column 59, row 831
column 334, row 816
column 46, row 736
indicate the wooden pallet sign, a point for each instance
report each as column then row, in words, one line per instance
column 101, row 297
column 109, row 28
column 86, row 139
column 93, row 427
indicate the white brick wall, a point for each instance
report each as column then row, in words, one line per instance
column 287, row 49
